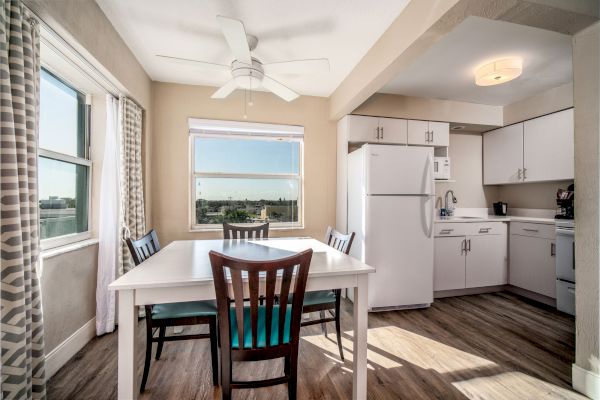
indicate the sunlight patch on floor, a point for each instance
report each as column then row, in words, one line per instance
column 501, row 387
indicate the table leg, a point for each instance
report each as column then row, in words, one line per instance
column 361, row 316
column 128, row 384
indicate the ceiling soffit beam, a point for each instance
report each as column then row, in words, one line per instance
column 422, row 23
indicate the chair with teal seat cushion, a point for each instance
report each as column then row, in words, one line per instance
column 328, row 301
column 161, row 316
column 262, row 330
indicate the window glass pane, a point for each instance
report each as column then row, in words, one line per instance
column 239, row 200
column 61, row 117
column 248, row 156
column 63, row 197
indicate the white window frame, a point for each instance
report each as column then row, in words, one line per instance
column 64, row 240
column 246, row 131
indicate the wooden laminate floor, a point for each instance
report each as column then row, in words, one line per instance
column 490, row 346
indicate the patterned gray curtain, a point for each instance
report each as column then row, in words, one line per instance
column 21, row 330
column 132, row 188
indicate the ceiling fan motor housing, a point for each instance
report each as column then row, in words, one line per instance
column 247, row 76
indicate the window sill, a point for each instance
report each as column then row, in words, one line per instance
column 271, row 228
column 67, row 248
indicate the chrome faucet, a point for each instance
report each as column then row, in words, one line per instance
column 449, row 207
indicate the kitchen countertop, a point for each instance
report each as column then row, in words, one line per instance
column 493, row 218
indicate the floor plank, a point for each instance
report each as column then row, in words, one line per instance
column 490, row 346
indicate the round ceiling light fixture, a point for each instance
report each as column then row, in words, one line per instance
column 498, row 72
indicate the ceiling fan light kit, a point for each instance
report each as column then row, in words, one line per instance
column 248, row 72
column 498, row 72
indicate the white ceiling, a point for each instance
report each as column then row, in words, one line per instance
column 342, row 31
column 446, row 70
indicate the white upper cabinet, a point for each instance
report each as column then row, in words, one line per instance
column 362, row 129
column 503, row 155
column 428, row 133
column 549, row 148
column 537, row 150
column 392, row 130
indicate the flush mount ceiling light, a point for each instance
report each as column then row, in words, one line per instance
column 497, row 72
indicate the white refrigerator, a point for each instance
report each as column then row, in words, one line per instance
column 391, row 200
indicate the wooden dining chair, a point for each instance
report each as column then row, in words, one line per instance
column 161, row 316
column 328, row 301
column 245, row 232
column 259, row 332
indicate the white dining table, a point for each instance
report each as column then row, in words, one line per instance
column 181, row 271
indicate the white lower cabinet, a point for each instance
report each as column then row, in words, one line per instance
column 532, row 264
column 449, row 263
column 487, row 260
column 470, row 255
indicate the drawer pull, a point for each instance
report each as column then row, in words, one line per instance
column 484, row 230
column 446, row 231
column 530, row 230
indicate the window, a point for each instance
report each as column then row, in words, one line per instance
column 245, row 173
column 63, row 162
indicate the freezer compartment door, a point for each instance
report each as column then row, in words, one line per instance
column 399, row 170
column 399, row 244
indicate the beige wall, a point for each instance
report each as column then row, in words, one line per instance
column 68, row 293
column 552, row 100
column 396, row 106
column 174, row 103
column 531, row 195
column 586, row 66
column 467, row 169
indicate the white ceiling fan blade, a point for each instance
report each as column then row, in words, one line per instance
column 235, row 34
column 224, row 90
column 279, row 89
column 312, row 66
column 190, row 62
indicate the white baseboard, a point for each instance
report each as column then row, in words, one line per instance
column 586, row 382
column 67, row 349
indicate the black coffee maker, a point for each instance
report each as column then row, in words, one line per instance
column 500, row 208
column 565, row 201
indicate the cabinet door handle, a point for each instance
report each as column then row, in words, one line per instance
column 463, row 247
column 427, row 136
column 468, row 244
column 382, row 132
column 519, row 174
column 524, row 173
column 573, row 254
column 431, row 136
column 484, row 230
column 552, row 249
column 377, row 133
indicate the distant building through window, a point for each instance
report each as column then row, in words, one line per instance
column 63, row 164
column 245, row 173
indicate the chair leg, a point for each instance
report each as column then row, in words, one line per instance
column 214, row 353
column 161, row 341
column 286, row 366
column 338, row 329
column 148, row 352
column 225, row 376
column 293, row 372
column 323, row 324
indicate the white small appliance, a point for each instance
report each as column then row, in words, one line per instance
column 441, row 168
column 391, row 199
column 565, row 265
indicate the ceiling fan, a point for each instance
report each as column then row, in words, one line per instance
column 248, row 72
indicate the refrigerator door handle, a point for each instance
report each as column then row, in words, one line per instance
column 431, row 174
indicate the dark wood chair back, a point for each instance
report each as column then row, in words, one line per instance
column 288, row 275
column 143, row 248
column 338, row 240
column 245, row 232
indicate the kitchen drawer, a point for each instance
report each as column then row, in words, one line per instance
column 545, row 231
column 486, row 228
column 450, row 229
